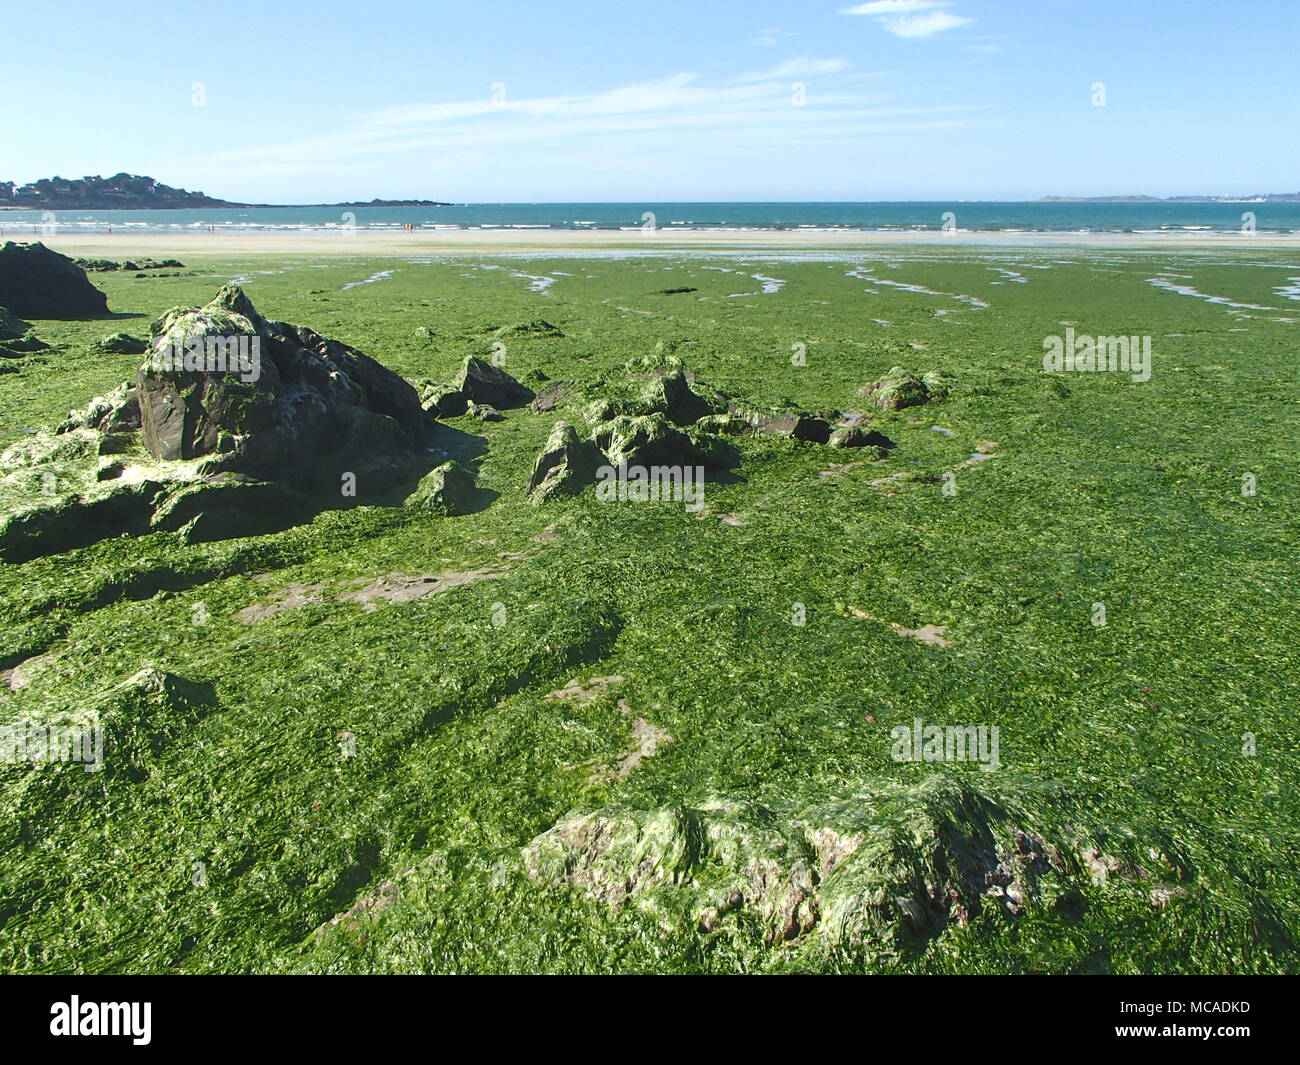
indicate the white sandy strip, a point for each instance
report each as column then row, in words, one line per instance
column 318, row 244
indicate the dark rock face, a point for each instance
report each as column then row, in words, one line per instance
column 38, row 283
column 482, row 382
column 287, row 405
column 11, row 328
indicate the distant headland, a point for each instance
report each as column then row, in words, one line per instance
column 133, row 192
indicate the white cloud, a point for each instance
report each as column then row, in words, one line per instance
column 768, row 38
column 799, row 67
column 890, row 7
column 910, row 18
column 673, row 118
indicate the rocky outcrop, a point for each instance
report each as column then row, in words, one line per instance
column 38, row 283
column 293, row 407
column 859, row 436
column 872, row 878
column 651, row 440
column 447, row 489
column 482, row 382
column 565, row 466
column 253, row 432
column 899, row 389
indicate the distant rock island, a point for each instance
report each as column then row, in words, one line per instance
column 133, row 192
column 1265, row 197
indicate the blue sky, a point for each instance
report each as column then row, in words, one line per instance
column 667, row 101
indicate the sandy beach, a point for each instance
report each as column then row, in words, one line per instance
column 325, row 244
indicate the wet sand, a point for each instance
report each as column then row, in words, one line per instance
column 361, row 242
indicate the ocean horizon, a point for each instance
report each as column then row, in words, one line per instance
column 885, row 216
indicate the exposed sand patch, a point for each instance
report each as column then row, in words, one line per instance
column 399, row 588
column 648, row 739
column 582, row 695
column 290, row 598
column 392, row 588
column 929, row 634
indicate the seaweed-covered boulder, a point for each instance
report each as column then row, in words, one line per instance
column 123, row 344
column 273, row 400
column 551, row 395
column 116, row 412
column 858, row 436
column 223, row 506
column 564, row 467
column 671, row 395
column 865, row 879
column 485, row 412
column 442, row 400
column 896, row 390
column 447, row 489
column 482, row 382
column 793, row 424
column 38, row 283
column 651, row 440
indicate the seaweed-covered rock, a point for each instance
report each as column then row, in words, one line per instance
column 448, row 489
column 896, row 390
column 294, row 407
column 794, row 424
column 38, row 283
column 223, row 506
column 123, row 344
column 482, row 382
column 671, row 395
column 650, row 440
column 485, row 412
column 442, row 400
column 858, row 436
column 116, row 412
column 538, row 327
column 564, row 467
column 867, row 878
column 550, row 396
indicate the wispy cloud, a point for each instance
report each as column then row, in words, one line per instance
column 768, row 38
column 798, row 67
column 910, row 18
column 669, row 118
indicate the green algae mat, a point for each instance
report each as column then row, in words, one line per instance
column 1009, row 688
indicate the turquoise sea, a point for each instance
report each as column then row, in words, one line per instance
column 916, row 216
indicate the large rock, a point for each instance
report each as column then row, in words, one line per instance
column 448, row 489
column 671, row 395
column 300, row 409
column 38, row 283
column 794, row 424
column 896, row 390
column 651, row 440
column 565, row 466
column 482, row 382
